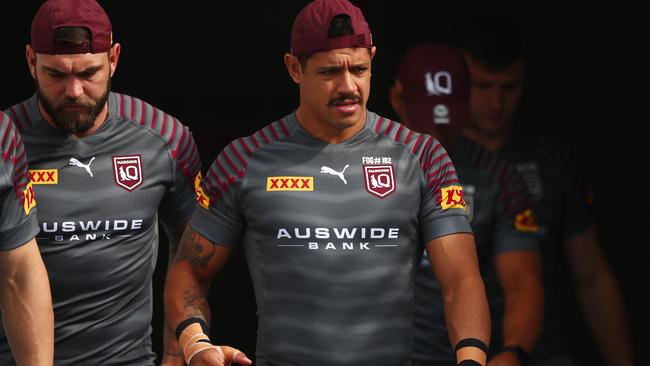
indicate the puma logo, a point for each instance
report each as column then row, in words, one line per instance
column 327, row 170
column 79, row 164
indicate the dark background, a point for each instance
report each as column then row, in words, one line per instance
column 217, row 66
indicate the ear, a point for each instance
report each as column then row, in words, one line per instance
column 293, row 67
column 373, row 51
column 114, row 56
column 30, row 55
column 395, row 96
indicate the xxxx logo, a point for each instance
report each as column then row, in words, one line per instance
column 44, row 176
column 289, row 184
column 452, row 197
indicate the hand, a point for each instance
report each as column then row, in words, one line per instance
column 220, row 356
column 504, row 359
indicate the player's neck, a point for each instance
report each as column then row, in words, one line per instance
column 493, row 142
column 96, row 125
column 327, row 132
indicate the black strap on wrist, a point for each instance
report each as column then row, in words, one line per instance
column 469, row 363
column 519, row 352
column 185, row 323
column 471, row 342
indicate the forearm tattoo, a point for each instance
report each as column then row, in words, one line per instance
column 195, row 249
column 195, row 303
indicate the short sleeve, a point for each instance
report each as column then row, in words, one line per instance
column 442, row 209
column 179, row 203
column 220, row 217
column 18, row 223
column 516, row 228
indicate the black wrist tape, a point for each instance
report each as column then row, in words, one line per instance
column 471, row 342
column 469, row 363
column 188, row 321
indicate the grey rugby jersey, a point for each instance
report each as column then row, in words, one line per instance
column 562, row 211
column 18, row 222
column 100, row 197
column 496, row 196
column 332, row 234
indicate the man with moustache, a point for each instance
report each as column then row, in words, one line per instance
column 106, row 167
column 333, row 205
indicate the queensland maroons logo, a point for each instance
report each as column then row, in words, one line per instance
column 379, row 179
column 127, row 171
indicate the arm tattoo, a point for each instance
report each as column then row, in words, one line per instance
column 195, row 249
column 195, row 304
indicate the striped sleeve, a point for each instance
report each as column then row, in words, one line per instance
column 442, row 208
column 514, row 194
column 516, row 226
column 179, row 203
column 220, row 217
column 18, row 222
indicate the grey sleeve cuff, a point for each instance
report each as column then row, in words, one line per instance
column 445, row 225
column 216, row 227
column 19, row 235
column 514, row 242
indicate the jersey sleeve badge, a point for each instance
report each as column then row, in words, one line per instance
column 525, row 221
column 452, row 197
column 29, row 198
column 201, row 197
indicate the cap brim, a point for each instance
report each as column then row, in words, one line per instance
column 426, row 115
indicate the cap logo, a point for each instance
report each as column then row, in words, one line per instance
column 440, row 114
column 438, row 83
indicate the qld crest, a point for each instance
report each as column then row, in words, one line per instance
column 379, row 179
column 127, row 171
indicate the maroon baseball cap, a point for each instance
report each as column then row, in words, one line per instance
column 54, row 14
column 435, row 83
column 310, row 29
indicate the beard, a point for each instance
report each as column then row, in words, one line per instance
column 76, row 121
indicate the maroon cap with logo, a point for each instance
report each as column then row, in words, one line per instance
column 435, row 85
column 310, row 29
column 55, row 14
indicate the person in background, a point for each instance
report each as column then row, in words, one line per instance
column 492, row 44
column 431, row 95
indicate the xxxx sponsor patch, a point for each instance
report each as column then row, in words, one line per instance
column 276, row 184
column 44, row 176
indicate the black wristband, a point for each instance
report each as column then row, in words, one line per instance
column 471, row 342
column 519, row 352
column 469, row 363
column 185, row 323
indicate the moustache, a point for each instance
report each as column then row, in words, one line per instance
column 78, row 103
column 344, row 99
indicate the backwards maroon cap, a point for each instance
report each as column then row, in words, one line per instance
column 309, row 32
column 435, row 85
column 55, row 14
